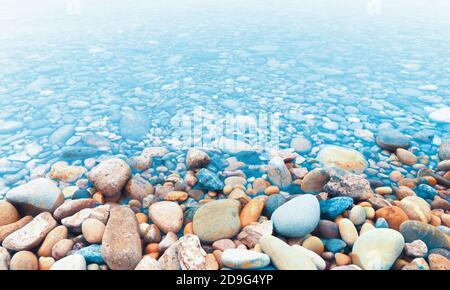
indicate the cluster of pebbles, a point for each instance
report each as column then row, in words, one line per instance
column 213, row 212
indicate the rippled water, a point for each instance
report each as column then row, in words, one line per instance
column 114, row 77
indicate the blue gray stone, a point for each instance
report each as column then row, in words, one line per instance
column 333, row 207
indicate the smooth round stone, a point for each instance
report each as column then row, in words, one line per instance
column 251, row 212
column 209, row 180
column 71, row 207
column 333, row 207
column 343, row 158
column 425, row 191
column 8, row 213
column 394, row 216
column 217, row 220
column 223, row 245
column 36, row 196
column 234, row 181
column 438, row 262
column 54, row 236
column 138, row 188
column 24, row 260
column 45, row 263
column 328, row 229
column 315, row 258
column 110, row 176
column 357, row 215
column 405, row 156
column 244, row 259
column 377, row 249
column 167, row 215
column 390, row 139
column 381, row 223
column 301, row 144
column 416, row 249
column 5, row 258
column 348, row 231
column 315, row 180
column 430, row 235
column 441, row 115
column 92, row 254
column 416, row 208
column 272, row 203
column 335, row 245
column 81, row 194
column 72, row 262
column 314, row 244
column 62, row 248
column 93, row 230
column 283, row 256
column 196, row 158
column 278, row 173
column 297, row 217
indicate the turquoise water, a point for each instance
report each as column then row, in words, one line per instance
column 114, row 77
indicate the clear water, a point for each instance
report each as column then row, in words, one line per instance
column 333, row 71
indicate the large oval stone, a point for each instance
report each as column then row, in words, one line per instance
column 217, row 220
column 110, row 176
column 315, row 180
column 377, row 249
column 416, row 208
column 32, row 234
column 344, row 158
column 297, row 217
column 430, row 235
column 391, row 139
column 8, row 213
column 167, row 215
column 36, row 196
column 121, row 244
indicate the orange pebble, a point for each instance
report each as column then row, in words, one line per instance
column 251, row 211
column 365, row 204
column 342, row 259
column 188, row 229
column 435, row 220
column 98, row 197
column 142, row 218
column 431, row 180
column 151, row 248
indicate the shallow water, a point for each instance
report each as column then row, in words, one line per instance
column 114, row 77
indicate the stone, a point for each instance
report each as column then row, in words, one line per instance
column 244, row 259
column 8, row 213
column 335, row 245
column 272, row 203
column 24, row 260
column 443, row 166
column 328, row 229
column 223, row 245
column 357, row 215
column 148, row 263
column 45, row 263
column 74, row 222
column 405, row 156
column 441, row 115
column 71, row 207
column 121, row 244
column 251, row 234
column 167, row 215
column 251, row 212
column 61, row 135
column 217, row 220
column 138, row 188
column 438, row 262
column 167, row 241
column 62, row 248
column 430, row 235
column 209, row 180
column 416, row 208
column 7, row 127
column 444, row 150
column 394, row 215
column 315, row 180
column 6, row 230
column 169, row 260
column 344, row 158
column 63, row 171
column 390, row 139
column 417, row 264
column 343, row 183
column 92, row 230
column 36, row 196
column 110, row 176
column 333, row 207
column 235, row 181
column 377, row 249
column 196, row 158
column 425, row 191
column 315, row 258
column 278, row 173
column 72, row 262
column 191, row 255
column 54, row 236
column 283, row 256
column 92, row 254
column 348, row 231
column 416, row 249
column 32, row 234
column 346, row 268
column 301, row 144
column 134, row 125
column 297, row 217
column 5, row 259
column 150, row 233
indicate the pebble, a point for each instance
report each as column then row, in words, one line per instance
column 438, row 262
column 8, row 213
column 348, row 231
column 416, row 208
column 314, row 244
column 121, row 244
column 196, row 158
column 301, row 144
column 24, row 260
column 283, row 256
column 444, row 150
column 72, row 262
column 251, row 212
column 71, row 207
column 93, row 230
column 328, row 229
column 30, row 235
column 318, row 261
column 278, row 173
column 377, row 249
column 390, row 139
column 405, row 156
column 54, row 236
column 343, row 183
column 167, row 215
column 217, row 220
column 223, row 245
column 110, row 176
column 209, row 180
column 333, row 207
column 138, row 188
column 416, row 249
column 297, row 217
column 45, row 263
column 344, row 158
column 92, row 254
column 5, row 259
column 394, row 216
column 357, row 215
column 251, row 234
column 148, row 263
column 430, row 235
column 272, row 203
column 315, row 180
column 244, row 259
column 61, row 248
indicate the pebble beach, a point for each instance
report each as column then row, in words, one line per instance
column 96, row 172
